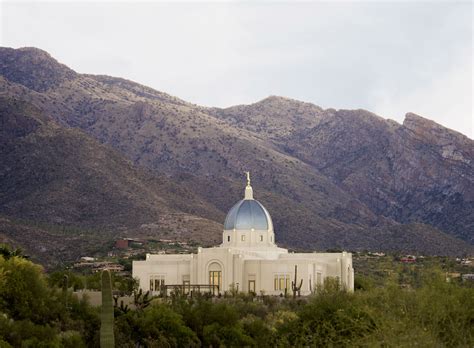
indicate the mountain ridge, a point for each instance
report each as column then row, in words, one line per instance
column 43, row 56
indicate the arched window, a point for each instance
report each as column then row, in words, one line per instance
column 228, row 238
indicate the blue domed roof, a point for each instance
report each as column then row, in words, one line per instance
column 248, row 214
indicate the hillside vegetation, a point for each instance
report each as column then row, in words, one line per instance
column 430, row 313
column 62, row 189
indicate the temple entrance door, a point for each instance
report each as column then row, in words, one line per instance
column 252, row 286
column 215, row 277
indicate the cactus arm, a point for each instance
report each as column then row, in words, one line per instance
column 296, row 288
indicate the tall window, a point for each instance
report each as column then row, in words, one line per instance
column 281, row 281
column 228, row 238
column 261, row 238
column 157, row 282
column 319, row 278
column 242, row 238
column 186, row 286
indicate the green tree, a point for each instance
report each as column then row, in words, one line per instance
column 75, row 281
column 156, row 326
column 331, row 318
column 24, row 293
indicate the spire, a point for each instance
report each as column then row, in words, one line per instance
column 248, row 178
column 248, row 188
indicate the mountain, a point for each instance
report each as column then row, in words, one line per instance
column 415, row 172
column 56, row 176
column 330, row 178
column 33, row 68
column 418, row 171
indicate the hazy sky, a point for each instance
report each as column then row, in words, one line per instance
column 387, row 57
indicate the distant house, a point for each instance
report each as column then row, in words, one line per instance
column 468, row 277
column 408, row 259
column 98, row 266
column 122, row 244
column 112, row 267
column 452, row 275
column 125, row 243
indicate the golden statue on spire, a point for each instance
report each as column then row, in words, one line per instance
column 248, row 178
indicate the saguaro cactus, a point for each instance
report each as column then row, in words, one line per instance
column 294, row 287
column 107, row 339
column 65, row 286
column 140, row 300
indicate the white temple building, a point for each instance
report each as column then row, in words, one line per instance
column 248, row 260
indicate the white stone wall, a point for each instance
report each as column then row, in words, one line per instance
column 173, row 267
column 239, row 265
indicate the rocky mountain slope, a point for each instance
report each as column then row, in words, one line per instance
column 347, row 179
column 418, row 171
column 61, row 177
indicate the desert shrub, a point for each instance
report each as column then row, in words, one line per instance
column 447, row 310
column 436, row 313
column 55, row 279
column 4, row 344
column 217, row 335
column 24, row 333
column 23, row 292
column 72, row 339
column 363, row 283
column 331, row 318
column 159, row 326
column 258, row 330
column 32, row 314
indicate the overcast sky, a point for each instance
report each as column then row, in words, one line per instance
column 390, row 58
